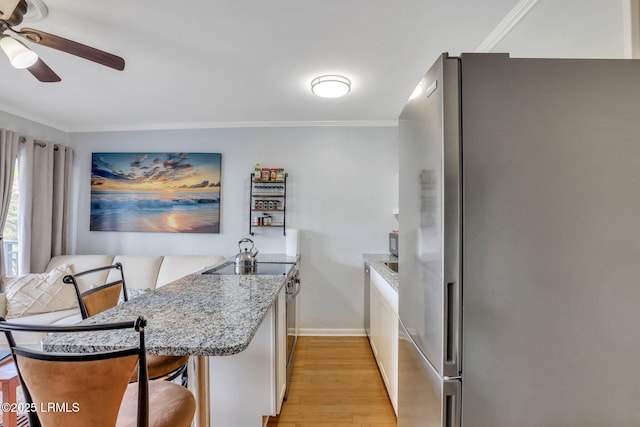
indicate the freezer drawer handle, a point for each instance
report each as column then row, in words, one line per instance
column 448, row 407
column 451, row 410
column 452, row 302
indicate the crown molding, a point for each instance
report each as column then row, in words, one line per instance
column 36, row 119
column 631, row 15
column 228, row 125
column 196, row 125
column 507, row 24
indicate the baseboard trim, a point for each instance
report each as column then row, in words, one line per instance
column 310, row 332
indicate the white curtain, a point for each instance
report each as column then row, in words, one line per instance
column 8, row 152
column 43, row 208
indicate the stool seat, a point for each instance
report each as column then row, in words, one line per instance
column 177, row 402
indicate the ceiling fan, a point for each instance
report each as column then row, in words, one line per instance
column 11, row 15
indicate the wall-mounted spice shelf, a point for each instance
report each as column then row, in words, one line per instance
column 267, row 198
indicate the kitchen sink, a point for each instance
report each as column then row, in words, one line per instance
column 393, row 266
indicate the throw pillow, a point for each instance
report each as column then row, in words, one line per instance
column 39, row 293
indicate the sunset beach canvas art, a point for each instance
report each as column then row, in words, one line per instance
column 156, row 192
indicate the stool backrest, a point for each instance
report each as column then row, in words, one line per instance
column 100, row 298
column 83, row 389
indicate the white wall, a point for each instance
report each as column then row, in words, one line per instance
column 341, row 195
column 28, row 127
column 569, row 29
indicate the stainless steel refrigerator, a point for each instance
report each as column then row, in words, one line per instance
column 519, row 294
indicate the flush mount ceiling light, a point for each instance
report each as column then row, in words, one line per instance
column 330, row 86
column 19, row 55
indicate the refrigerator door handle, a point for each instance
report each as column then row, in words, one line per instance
column 452, row 310
column 451, row 407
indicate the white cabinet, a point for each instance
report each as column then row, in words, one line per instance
column 383, row 334
column 375, row 300
column 248, row 386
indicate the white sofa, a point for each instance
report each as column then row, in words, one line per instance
column 140, row 272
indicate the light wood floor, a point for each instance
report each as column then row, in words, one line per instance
column 335, row 382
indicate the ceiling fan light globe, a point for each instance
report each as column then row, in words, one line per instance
column 24, row 59
column 19, row 55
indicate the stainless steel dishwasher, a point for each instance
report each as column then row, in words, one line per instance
column 367, row 305
column 293, row 289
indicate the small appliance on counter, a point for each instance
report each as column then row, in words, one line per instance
column 393, row 242
column 245, row 262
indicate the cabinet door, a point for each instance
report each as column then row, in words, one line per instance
column 383, row 337
column 384, row 347
column 389, row 356
column 374, row 305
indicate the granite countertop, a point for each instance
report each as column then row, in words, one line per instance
column 204, row 315
column 377, row 262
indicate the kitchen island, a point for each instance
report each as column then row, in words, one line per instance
column 233, row 324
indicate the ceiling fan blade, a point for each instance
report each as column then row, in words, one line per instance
column 42, row 72
column 74, row 48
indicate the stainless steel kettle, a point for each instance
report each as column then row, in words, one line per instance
column 246, row 262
